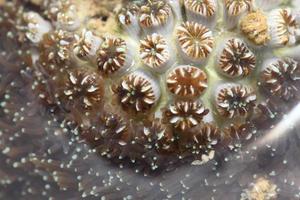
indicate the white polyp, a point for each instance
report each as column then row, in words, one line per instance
column 168, row 60
column 232, row 21
column 153, row 82
column 277, row 22
column 156, row 25
column 88, row 38
column 95, row 41
column 36, row 27
column 208, row 21
column 133, row 29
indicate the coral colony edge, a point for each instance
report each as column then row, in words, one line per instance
column 154, row 99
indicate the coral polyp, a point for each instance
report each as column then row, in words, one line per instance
column 281, row 78
column 155, row 13
column 238, row 134
column 205, row 8
column 195, row 40
column 284, row 27
column 86, row 45
column 187, row 81
column 149, row 99
column 185, row 114
column 156, row 136
column 235, row 100
column 154, row 52
column 201, row 11
column 112, row 55
column 128, row 15
column 236, row 59
column 110, row 134
column 201, row 141
column 137, row 92
column 237, row 7
column 84, row 89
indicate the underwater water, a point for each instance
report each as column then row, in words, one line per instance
column 158, row 99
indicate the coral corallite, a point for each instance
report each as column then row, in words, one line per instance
column 167, row 84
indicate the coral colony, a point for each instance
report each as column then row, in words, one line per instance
column 173, row 84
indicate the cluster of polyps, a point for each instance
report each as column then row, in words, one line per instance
column 185, row 74
column 169, row 71
column 111, row 86
column 167, row 67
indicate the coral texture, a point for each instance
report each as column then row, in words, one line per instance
column 149, row 99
